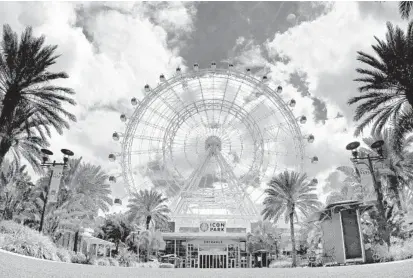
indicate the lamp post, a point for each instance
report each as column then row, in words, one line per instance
column 369, row 161
column 46, row 154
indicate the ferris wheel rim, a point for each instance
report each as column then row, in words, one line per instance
column 131, row 126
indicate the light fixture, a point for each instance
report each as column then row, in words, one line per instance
column 264, row 78
column 112, row 157
column 123, row 117
column 147, row 88
column 303, row 119
column 213, row 65
column 279, row 90
column 378, row 147
column 46, row 154
column 178, row 70
column 162, row 78
column 66, row 154
column 134, row 101
column 230, row 66
column 112, row 179
column 353, row 148
column 314, row 181
column 248, row 70
column 292, row 103
column 196, row 67
column 118, row 202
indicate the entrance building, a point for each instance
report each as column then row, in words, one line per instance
column 212, row 245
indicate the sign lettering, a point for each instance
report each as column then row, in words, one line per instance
column 212, row 226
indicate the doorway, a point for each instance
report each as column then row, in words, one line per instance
column 212, row 261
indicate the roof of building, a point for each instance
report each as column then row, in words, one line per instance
column 94, row 240
column 204, row 235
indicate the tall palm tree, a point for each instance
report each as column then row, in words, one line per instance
column 27, row 96
column 149, row 206
column 405, row 7
column 290, row 193
column 387, row 85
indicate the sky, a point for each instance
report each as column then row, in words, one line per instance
column 112, row 49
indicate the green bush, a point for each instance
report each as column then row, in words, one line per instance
column 25, row 241
column 280, row 264
column 79, row 258
column 64, row 255
column 113, row 262
column 400, row 250
column 166, row 265
column 127, row 259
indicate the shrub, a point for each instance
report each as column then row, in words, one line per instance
column 400, row 250
column 113, row 262
column 79, row 258
column 127, row 259
column 102, row 262
column 64, row 255
column 25, row 241
column 166, row 265
column 280, row 264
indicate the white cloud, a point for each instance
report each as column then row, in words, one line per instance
column 325, row 50
column 122, row 52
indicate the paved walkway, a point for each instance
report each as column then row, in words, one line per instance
column 14, row 266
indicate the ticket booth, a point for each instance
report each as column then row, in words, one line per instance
column 342, row 238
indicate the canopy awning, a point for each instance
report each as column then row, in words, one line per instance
column 95, row 240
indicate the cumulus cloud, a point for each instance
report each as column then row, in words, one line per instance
column 110, row 51
column 315, row 61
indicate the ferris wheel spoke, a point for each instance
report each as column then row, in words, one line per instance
column 203, row 99
column 148, row 151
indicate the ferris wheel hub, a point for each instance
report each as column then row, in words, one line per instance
column 213, row 143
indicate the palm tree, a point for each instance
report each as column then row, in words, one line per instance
column 387, row 85
column 149, row 206
column 30, row 104
column 405, row 7
column 290, row 193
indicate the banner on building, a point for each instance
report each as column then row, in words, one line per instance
column 55, row 183
column 212, row 226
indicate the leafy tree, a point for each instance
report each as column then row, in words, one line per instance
column 387, row 86
column 264, row 236
column 117, row 229
column 30, row 104
column 405, row 7
column 148, row 206
column 290, row 193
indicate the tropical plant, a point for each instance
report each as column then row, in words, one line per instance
column 264, row 236
column 397, row 170
column 405, row 7
column 15, row 189
column 30, row 104
column 148, row 207
column 117, row 229
column 387, row 86
column 290, row 193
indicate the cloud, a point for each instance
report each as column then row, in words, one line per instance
column 110, row 51
column 315, row 62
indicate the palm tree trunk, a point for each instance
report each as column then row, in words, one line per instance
column 5, row 146
column 76, row 239
column 293, row 251
column 394, row 187
column 148, row 221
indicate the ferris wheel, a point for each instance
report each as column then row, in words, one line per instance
column 210, row 140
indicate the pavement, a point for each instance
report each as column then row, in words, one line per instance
column 16, row 266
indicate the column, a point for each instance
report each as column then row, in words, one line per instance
column 96, row 249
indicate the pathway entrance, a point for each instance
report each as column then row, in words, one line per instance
column 213, row 260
